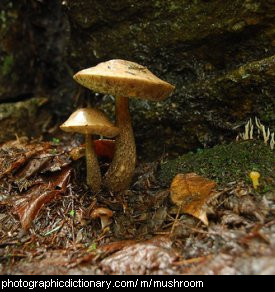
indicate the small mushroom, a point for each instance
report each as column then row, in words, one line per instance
column 104, row 214
column 255, row 175
column 123, row 79
column 90, row 121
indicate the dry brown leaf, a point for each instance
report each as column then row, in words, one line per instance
column 15, row 163
column 191, row 192
column 15, row 155
column 29, row 205
column 33, row 166
column 153, row 256
column 104, row 148
column 77, row 152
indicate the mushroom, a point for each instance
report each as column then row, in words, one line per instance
column 104, row 214
column 255, row 175
column 123, row 79
column 90, row 121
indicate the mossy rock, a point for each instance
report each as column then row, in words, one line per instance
column 225, row 163
column 32, row 38
column 22, row 118
column 218, row 54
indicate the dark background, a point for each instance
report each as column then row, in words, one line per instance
column 218, row 54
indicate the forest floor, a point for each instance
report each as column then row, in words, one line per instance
column 46, row 225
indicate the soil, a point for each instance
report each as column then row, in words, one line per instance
column 220, row 57
column 46, row 225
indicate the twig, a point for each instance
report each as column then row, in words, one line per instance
column 175, row 221
column 193, row 260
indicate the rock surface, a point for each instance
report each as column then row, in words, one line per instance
column 22, row 118
column 219, row 55
column 32, row 39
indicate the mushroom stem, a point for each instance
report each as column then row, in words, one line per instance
column 105, row 221
column 93, row 170
column 121, row 170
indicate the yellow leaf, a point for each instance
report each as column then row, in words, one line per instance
column 191, row 192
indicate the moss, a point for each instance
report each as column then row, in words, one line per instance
column 24, row 27
column 3, row 19
column 7, row 64
column 218, row 54
column 150, row 25
column 225, row 163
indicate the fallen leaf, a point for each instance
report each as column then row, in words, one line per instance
column 33, row 166
column 9, row 165
column 104, row 148
column 230, row 218
column 56, row 163
column 101, row 252
column 191, row 192
column 148, row 257
column 29, row 205
column 15, row 155
column 112, row 247
column 77, row 152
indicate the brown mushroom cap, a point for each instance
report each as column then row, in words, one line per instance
column 90, row 121
column 101, row 211
column 124, row 78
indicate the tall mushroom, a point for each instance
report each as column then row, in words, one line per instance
column 123, row 79
column 90, row 121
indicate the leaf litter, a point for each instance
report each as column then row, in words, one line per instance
column 46, row 227
column 190, row 192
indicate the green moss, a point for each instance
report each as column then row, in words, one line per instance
column 225, row 163
column 3, row 19
column 7, row 65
